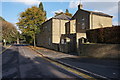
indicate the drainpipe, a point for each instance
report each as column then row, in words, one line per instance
column 59, row 28
column 91, row 20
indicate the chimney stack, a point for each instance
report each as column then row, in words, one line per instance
column 80, row 6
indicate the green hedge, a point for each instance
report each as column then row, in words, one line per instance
column 104, row 35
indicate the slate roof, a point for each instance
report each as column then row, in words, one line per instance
column 98, row 13
column 62, row 16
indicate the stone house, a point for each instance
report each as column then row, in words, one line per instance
column 84, row 20
column 52, row 30
column 62, row 29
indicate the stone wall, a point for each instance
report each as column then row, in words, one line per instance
column 100, row 21
column 44, row 38
column 82, row 22
column 99, row 50
column 78, row 36
column 64, row 48
column 51, row 33
column 58, row 28
column 68, row 43
column 55, row 47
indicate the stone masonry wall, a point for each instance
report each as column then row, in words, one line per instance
column 100, row 50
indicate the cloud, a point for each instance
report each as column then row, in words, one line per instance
column 115, row 22
column 49, row 18
column 98, row 11
column 26, row 2
column 113, row 10
column 73, row 4
column 57, row 11
column 65, row 0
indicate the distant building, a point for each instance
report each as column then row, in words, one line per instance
column 63, row 29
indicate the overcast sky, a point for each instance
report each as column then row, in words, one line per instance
column 10, row 9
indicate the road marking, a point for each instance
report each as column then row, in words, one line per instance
column 71, row 70
column 5, row 49
column 67, row 68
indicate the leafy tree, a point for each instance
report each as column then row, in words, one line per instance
column 9, row 32
column 41, row 6
column 30, row 21
column 42, row 9
column 56, row 14
column 1, row 19
column 66, row 13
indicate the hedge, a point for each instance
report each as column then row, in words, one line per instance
column 104, row 35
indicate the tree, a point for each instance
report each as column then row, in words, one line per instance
column 66, row 13
column 1, row 19
column 42, row 9
column 30, row 21
column 41, row 6
column 56, row 14
column 9, row 32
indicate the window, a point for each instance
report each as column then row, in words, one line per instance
column 45, row 27
column 83, row 25
column 83, row 19
column 63, row 41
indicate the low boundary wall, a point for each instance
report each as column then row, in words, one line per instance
column 100, row 50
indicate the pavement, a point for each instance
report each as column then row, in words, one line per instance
column 22, row 62
column 109, row 68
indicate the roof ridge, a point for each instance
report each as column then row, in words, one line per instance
column 62, row 16
column 99, row 13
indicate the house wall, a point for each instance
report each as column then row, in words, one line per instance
column 51, row 33
column 67, row 28
column 58, row 28
column 69, row 44
column 100, row 21
column 78, row 36
column 82, row 22
column 72, row 26
column 44, row 38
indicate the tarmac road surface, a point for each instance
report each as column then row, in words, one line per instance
column 22, row 62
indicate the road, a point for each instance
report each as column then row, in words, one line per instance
column 22, row 62
column 109, row 68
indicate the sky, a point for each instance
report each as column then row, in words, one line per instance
column 10, row 9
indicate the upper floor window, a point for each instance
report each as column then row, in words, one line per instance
column 45, row 26
column 83, row 26
column 83, row 19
